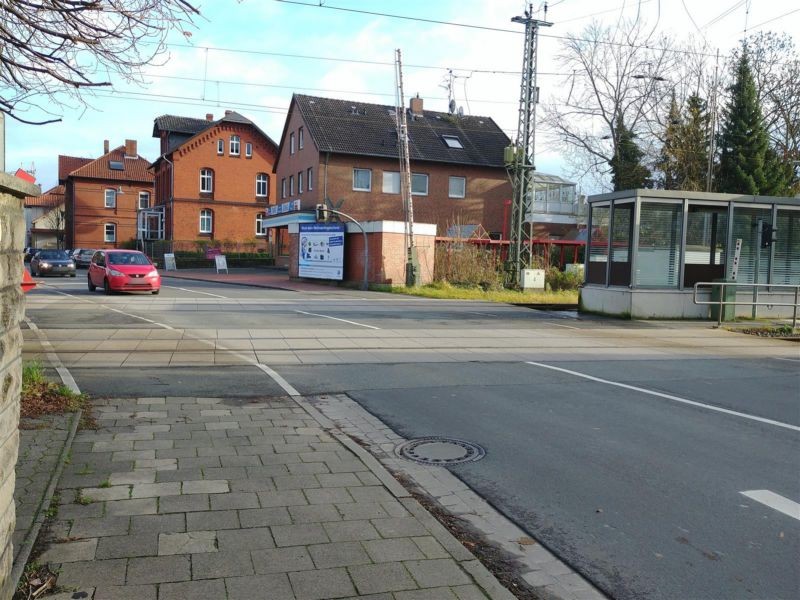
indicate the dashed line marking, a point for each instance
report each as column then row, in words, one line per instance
column 775, row 502
column 302, row 312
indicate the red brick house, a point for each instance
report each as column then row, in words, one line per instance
column 44, row 219
column 214, row 179
column 347, row 151
column 103, row 196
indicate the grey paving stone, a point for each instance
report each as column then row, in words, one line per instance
column 192, row 542
column 390, row 550
column 384, row 577
column 171, row 523
column 185, row 503
column 368, row 478
column 212, row 520
column 468, row 592
column 117, row 492
column 437, row 573
column 282, row 560
column 307, row 468
column 399, row 527
column 262, row 484
column 370, row 493
column 224, row 473
column 80, row 511
column 128, row 592
column 332, row 480
column 263, row 587
column 338, row 554
column 321, row 585
column 221, row 564
column 159, row 569
column 256, row 538
column 440, row 593
column 179, row 475
column 316, row 513
column 240, row 461
column 191, row 590
column 430, row 547
column 361, row 510
column 350, row 531
column 87, row 528
column 234, row 500
column 299, row 535
column 328, row 496
column 282, row 498
column 266, row 471
column 132, row 477
column 215, row 486
column 139, row 506
column 296, row 482
column 125, row 546
column 92, row 573
column 69, row 552
column 154, row 490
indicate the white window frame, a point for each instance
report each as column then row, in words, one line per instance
column 248, row 150
column 427, row 182
column 110, row 198
column 261, row 224
column 450, row 193
column 291, row 186
column 262, row 179
column 236, row 145
column 291, row 143
column 453, row 141
column 283, row 188
column 369, row 186
column 206, row 175
column 310, row 179
column 300, row 138
column 144, row 195
column 220, row 147
column 207, row 217
column 110, row 238
column 299, row 182
column 385, row 179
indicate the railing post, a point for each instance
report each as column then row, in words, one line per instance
column 721, row 305
column 794, row 312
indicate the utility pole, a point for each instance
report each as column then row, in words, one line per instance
column 520, row 157
column 412, row 262
column 712, row 125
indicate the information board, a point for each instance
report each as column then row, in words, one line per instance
column 321, row 252
column 169, row 262
column 221, row 263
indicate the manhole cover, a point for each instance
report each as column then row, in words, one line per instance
column 440, row 451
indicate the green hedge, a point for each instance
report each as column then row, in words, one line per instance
column 200, row 262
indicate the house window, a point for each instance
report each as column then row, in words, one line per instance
column 419, row 184
column 261, row 224
column 391, row 182
column 283, row 188
column 248, row 150
column 144, row 200
column 291, row 185
column 300, row 182
column 457, row 187
column 309, row 179
column 452, row 141
column 291, row 143
column 110, row 233
column 111, row 199
column 206, row 221
column 235, row 145
column 206, row 180
column 220, row 147
column 362, row 180
column 262, row 185
column 300, row 137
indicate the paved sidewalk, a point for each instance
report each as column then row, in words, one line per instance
column 264, row 278
column 177, row 498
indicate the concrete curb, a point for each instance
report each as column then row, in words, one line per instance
column 251, row 285
column 30, row 540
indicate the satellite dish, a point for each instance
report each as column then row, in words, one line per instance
column 452, row 106
column 460, row 111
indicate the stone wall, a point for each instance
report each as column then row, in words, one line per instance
column 12, row 307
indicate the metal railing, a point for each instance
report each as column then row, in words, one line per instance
column 754, row 302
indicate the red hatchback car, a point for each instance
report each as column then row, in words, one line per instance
column 123, row 271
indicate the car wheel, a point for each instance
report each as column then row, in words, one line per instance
column 72, row 274
column 155, row 292
column 92, row 287
column 107, row 287
column 33, row 272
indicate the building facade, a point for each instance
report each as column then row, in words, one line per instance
column 213, row 181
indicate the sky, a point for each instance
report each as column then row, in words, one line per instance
column 251, row 55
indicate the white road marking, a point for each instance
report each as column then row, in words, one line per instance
column 775, row 501
column 797, row 360
column 302, row 312
column 668, row 397
column 565, row 326
column 172, row 287
column 472, row 312
column 52, row 356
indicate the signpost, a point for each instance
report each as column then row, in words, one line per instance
column 321, row 253
column 169, row 262
column 221, row 263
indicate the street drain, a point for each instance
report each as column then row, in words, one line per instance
column 440, row 451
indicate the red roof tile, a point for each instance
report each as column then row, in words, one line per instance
column 133, row 169
column 67, row 164
column 52, row 197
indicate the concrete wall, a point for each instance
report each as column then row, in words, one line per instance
column 12, row 306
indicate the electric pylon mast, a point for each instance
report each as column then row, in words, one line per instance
column 520, row 160
column 412, row 268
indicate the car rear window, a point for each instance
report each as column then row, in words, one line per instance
column 127, row 258
column 54, row 254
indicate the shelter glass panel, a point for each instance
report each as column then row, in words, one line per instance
column 786, row 268
column 706, row 237
column 745, row 227
column 598, row 245
column 658, row 254
column 621, row 236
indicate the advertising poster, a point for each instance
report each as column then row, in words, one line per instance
column 321, row 254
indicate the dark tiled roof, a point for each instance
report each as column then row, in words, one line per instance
column 52, row 197
column 347, row 127
column 67, row 164
column 179, row 124
column 134, row 169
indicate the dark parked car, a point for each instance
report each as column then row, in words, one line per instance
column 82, row 257
column 52, row 262
column 29, row 253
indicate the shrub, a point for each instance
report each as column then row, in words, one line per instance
column 556, row 280
column 467, row 265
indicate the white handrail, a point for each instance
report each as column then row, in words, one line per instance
column 732, row 284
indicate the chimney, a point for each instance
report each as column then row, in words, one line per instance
column 416, row 106
column 209, row 117
column 105, row 146
column 227, row 112
column 130, row 149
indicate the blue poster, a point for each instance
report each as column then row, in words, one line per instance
column 321, row 252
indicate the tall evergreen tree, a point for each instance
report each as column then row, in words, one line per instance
column 627, row 170
column 743, row 141
column 693, row 144
column 668, row 162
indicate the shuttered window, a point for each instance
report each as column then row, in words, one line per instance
column 745, row 227
column 786, row 268
column 658, row 254
column 598, row 245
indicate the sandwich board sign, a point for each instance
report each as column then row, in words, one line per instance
column 221, row 263
column 169, row 262
column 321, row 252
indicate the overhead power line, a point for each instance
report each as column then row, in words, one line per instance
column 791, row 12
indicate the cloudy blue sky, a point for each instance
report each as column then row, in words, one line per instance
column 237, row 58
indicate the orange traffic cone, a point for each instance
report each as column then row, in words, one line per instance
column 27, row 281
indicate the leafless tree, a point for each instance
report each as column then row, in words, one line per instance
column 54, row 51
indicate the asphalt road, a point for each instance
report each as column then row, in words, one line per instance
column 639, row 488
